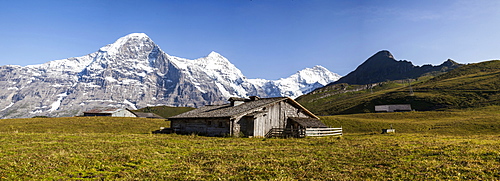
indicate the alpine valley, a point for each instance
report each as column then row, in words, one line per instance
column 133, row 73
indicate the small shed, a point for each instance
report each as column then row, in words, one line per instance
column 300, row 123
column 252, row 117
column 111, row 112
column 148, row 115
column 393, row 108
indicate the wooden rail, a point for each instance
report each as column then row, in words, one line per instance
column 300, row 133
column 285, row 132
column 323, row 131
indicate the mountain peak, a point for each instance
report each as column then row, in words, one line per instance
column 317, row 73
column 380, row 59
column 315, row 69
column 215, row 57
column 384, row 53
column 133, row 39
column 136, row 35
column 319, row 67
column 450, row 62
column 383, row 67
column 306, row 80
column 214, row 54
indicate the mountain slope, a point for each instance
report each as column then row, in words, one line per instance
column 383, row 67
column 134, row 72
column 473, row 85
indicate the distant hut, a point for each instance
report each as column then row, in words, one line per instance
column 393, row 108
column 111, row 112
column 253, row 117
column 148, row 115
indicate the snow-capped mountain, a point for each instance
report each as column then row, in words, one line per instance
column 134, row 72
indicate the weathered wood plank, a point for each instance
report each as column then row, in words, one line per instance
column 337, row 134
column 324, row 131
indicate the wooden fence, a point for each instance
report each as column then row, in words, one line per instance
column 300, row 133
column 324, row 131
column 284, row 133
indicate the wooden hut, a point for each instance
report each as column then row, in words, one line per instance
column 111, row 112
column 393, row 108
column 147, row 115
column 253, row 117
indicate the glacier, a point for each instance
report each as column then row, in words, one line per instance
column 133, row 72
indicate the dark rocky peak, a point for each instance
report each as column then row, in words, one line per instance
column 450, row 63
column 382, row 59
column 383, row 54
column 383, row 67
column 380, row 56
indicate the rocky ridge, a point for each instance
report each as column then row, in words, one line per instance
column 382, row 67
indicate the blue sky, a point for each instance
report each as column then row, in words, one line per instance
column 268, row 39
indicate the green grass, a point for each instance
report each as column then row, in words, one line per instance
column 97, row 156
column 477, row 121
column 82, row 125
column 446, row 145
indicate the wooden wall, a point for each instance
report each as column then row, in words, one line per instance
column 207, row 126
column 123, row 113
column 274, row 116
column 393, row 108
column 120, row 113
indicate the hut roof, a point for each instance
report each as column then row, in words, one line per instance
column 103, row 110
column 248, row 107
column 237, row 99
column 308, row 122
column 148, row 115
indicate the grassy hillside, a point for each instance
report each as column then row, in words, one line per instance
column 82, row 125
column 166, row 111
column 474, row 85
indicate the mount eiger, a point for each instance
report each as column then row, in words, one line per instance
column 132, row 73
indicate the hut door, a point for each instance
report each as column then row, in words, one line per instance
column 247, row 127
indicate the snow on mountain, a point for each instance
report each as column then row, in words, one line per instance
column 134, row 72
column 300, row 83
column 215, row 69
column 306, row 80
column 74, row 65
column 139, row 39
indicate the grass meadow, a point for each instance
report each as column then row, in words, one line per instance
column 474, row 121
column 426, row 146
